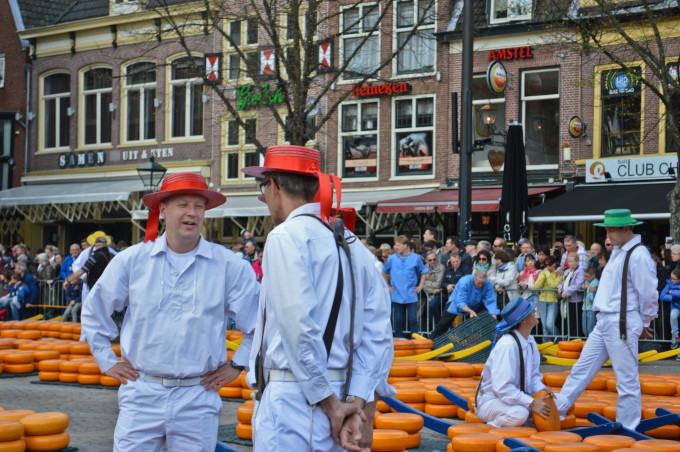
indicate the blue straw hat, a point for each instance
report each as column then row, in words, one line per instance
column 516, row 311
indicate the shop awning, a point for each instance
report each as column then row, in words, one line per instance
column 646, row 201
column 483, row 200
column 72, row 193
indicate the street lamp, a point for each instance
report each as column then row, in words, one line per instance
column 151, row 174
column 489, row 114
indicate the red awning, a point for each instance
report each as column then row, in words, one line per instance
column 483, row 200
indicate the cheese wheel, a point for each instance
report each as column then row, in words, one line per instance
column 42, row 355
column 48, row 376
column 17, row 445
column 68, row 377
column 475, row 442
column 461, row 370
column 472, row 418
column 9, row 333
column 449, row 447
column 244, row 431
column 630, row 449
column 18, row 358
column 406, row 422
column 581, row 409
column 89, row 369
column 62, row 348
column 66, row 328
column 230, row 392
column 420, row 406
column 30, row 346
column 664, row 432
column 441, row 411
column 244, row 414
column 532, row 442
column 513, row 432
column 433, row 372
column 568, row 354
column 568, row 422
column 246, row 393
column 11, row 430
column 571, row 346
column 411, row 395
column 479, row 367
column 385, row 440
column 14, row 415
column 609, row 443
column 420, row 351
column 116, row 349
column 47, row 443
column 89, row 379
column 571, row 447
column 53, row 334
column 552, row 422
column 582, row 422
column 412, row 441
column 403, row 352
column 400, row 344
column 404, row 371
column 382, row 407
column 105, row 380
column 597, row 384
column 18, row 368
column 69, row 367
column 557, row 437
column 80, row 349
column 50, row 365
column 610, row 412
column 554, row 379
column 436, row 398
column 44, row 423
column 659, row 445
column 658, row 387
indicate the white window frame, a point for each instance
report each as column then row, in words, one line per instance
column 486, row 166
column 492, row 12
column 524, row 98
column 359, row 132
column 98, row 93
column 359, row 34
column 188, row 84
column 58, row 98
column 394, row 130
column 2, row 70
column 240, row 33
column 143, row 88
column 423, row 28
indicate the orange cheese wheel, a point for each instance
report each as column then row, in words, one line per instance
column 53, row 334
column 581, row 409
column 66, row 328
column 552, row 422
column 610, row 412
column 18, row 368
column 571, row 447
column 246, row 393
column 230, row 392
column 420, row 406
column 105, row 380
column 9, row 333
column 18, row 358
column 420, row 351
column 385, row 440
column 11, row 430
column 404, row 371
column 459, row 429
column 658, row 387
column 44, row 423
column 557, row 437
column 47, row 443
column 116, row 349
column 433, row 372
column 611, row 385
column 581, row 422
column 422, row 343
column 513, row 432
column 449, row 447
column 597, row 384
column 14, row 415
column 244, row 431
column 571, row 346
column 403, row 352
column 441, row 411
column 659, row 445
column 382, row 407
column 48, row 376
column 406, row 422
column 412, row 441
column 81, row 348
column 89, row 369
column 411, row 395
column 403, row 344
column 436, row 398
column 472, row 418
column 479, row 367
column 88, row 379
column 608, row 443
column 461, row 370
column 69, row 367
column 664, row 432
column 568, row 422
column 50, row 365
column 68, row 377
column 30, row 345
column 630, row 449
column 568, row 354
column 244, row 414
column 17, row 445
column 554, row 379
column 532, row 442
column 475, row 442
column 62, row 348
column 42, row 355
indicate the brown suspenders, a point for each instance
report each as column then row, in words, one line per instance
column 624, row 294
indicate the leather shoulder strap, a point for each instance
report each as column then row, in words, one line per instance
column 624, row 294
column 521, row 361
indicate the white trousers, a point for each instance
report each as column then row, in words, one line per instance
column 499, row 414
column 282, row 421
column 605, row 343
column 151, row 415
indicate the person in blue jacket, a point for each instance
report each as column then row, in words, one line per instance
column 27, row 278
column 472, row 293
column 671, row 294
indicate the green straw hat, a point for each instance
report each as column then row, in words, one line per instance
column 618, row 218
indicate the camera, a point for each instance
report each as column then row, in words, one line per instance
column 669, row 239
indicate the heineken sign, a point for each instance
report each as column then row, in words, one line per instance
column 247, row 98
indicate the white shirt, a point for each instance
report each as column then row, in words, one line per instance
column 298, row 289
column 176, row 321
column 500, row 377
column 642, row 282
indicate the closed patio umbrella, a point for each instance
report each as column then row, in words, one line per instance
column 514, row 197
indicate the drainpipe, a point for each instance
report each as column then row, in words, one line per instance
column 28, row 114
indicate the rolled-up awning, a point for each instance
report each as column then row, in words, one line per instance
column 483, row 200
column 646, row 201
column 71, row 193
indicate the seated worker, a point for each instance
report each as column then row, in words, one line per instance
column 508, row 382
column 471, row 294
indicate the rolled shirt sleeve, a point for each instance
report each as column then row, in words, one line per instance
column 489, row 298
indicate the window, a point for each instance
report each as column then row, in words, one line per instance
column 291, row 18
column 359, row 139
column 240, row 150
column 250, row 131
column 97, row 86
column 483, row 97
column 671, row 141
column 359, row 35
column 621, row 112
column 244, row 34
column 509, row 10
column 541, row 116
column 251, row 31
column 413, row 136
column 252, row 64
column 2, row 71
column 232, row 133
column 418, row 53
column 235, row 33
column 186, row 87
column 234, row 66
column 232, row 169
column 56, row 107
column 140, row 93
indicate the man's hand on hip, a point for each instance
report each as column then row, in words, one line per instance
column 219, row 377
column 122, row 372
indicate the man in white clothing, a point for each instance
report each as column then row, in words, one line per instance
column 180, row 291
column 505, row 399
column 300, row 354
column 617, row 330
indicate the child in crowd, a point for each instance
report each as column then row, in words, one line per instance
column 73, row 295
column 548, row 305
column 589, row 287
column 16, row 297
column 527, row 279
column 671, row 294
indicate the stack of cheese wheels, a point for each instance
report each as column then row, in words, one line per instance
column 11, row 432
column 409, row 423
column 17, row 361
column 233, row 389
column 568, row 349
column 422, row 346
column 386, row 440
column 403, row 347
column 244, row 414
column 45, row 431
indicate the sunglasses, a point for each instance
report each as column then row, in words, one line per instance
column 432, row 260
column 482, row 259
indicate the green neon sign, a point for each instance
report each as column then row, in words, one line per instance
column 247, row 98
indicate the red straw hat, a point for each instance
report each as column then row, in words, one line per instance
column 178, row 184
